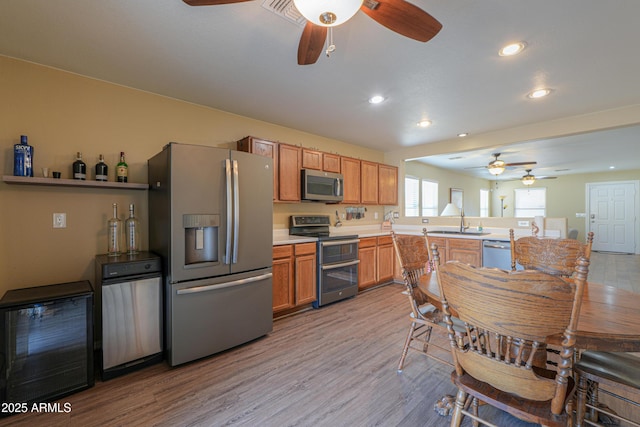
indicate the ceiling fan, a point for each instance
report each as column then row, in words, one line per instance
column 529, row 179
column 398, row 15
column 497, row 166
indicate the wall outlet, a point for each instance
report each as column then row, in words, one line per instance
column 425, row 220
column 581, row 215
column 523, row 223
column 375, row 215
column 396, row 215
column 59, row 220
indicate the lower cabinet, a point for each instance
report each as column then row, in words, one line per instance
column 294, row 276
column 376, row 257
column 468, row 251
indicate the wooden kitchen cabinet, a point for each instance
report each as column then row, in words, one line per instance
column 367, row 266
column 283, row 278
column 369, row 183
column 441, row 242
column 264, row 148
column 384, row 259
column 305, row 271
column 331, row 162
column 289, row 162
column 351, row 173
column 468, row 251
column 387, row 185
column 311, row 159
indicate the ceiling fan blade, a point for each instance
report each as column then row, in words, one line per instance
column 311, row 43
column 211, row 2
column 546, row 177
column 402, row 17
column 521, row 163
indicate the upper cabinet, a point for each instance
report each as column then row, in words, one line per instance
column 351, row 174
column 365, row 182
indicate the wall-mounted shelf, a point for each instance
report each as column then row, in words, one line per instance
column 10, row 179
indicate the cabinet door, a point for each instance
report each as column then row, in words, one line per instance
column 351, row 173
column 289, row 173
column 330, row 162
column 384, row 260
column 283, row 289
column 305, row 279
column 468, row 251
column 441, row 242
column 367, row 267
column 387, row 185
column 369, row 182
column 264, row 148
column 311, row 159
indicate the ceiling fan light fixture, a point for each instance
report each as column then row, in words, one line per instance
column 528, row 179
column 496, row 167
column 327, row 13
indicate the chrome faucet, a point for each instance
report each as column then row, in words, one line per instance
column 462, row 227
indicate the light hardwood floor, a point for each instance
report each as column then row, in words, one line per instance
column 334, row 366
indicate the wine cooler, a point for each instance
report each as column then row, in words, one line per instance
column 46, row 342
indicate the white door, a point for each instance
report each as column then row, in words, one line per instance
column 611, row 216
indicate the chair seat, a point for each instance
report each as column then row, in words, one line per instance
column 528, row 410
column 432, row 314
column 621, row 368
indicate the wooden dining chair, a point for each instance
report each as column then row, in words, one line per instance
column 413, row 255
column 508, row 315
column 553, row 256
column 619, row 373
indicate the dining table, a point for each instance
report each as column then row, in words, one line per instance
column 609, row 317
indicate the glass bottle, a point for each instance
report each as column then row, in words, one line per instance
column 122, row 169
column 115, row 233
column 79, row 168
column 132, row 228
column 102, row 170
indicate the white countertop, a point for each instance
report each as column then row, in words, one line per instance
column 282, row 237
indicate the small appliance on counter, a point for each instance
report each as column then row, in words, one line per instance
column 129, row 324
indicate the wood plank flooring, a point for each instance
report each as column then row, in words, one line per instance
column 334, row 366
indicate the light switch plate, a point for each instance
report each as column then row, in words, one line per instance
column 523, row 223
column 59, row 220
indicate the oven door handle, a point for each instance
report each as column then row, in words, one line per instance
column 339, row 242
column 343, row 264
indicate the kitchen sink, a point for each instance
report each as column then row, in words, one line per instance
column 470, row 233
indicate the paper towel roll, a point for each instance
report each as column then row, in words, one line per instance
column 539, row 220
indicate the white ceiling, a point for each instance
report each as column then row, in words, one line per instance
column 241, row 58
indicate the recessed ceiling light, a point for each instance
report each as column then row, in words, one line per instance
column 424, row 123
column 512, row 49
column 612, row 167
column 376, row 99
column 463, row 134
column 539, row 93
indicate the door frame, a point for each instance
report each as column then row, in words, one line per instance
column 636, row 207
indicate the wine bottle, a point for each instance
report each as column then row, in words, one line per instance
column 102, row 170
column 132, row 228
column 115, row 233
column 79, row 168
column 122, row 169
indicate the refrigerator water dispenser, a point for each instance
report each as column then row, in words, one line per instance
column 200, row 238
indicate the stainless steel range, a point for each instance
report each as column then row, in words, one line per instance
column 337, row 269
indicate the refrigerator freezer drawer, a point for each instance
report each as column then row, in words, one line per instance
column 209, row 316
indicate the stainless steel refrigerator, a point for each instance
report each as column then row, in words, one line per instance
column 210, row 218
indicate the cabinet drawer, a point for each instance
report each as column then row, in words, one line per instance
column 465, row 244
column 282, row 251
column 305, row 249
column 385, row 240
column 367, row 242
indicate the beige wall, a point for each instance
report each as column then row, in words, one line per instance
column 63, row 113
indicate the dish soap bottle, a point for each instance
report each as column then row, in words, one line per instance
column 480, row 226
column 115, row 233
column 132, row 228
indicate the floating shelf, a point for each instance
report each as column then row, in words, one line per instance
column 10, row 179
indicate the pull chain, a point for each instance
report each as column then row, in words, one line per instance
column 331, row 47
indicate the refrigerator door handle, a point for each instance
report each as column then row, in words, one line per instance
column 227, row 254
column 236, row 212
column 206, row 288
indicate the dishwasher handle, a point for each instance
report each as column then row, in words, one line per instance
column 497, row 245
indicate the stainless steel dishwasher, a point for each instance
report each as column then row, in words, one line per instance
column 497, row 253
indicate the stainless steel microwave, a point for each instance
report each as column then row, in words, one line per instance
column 322, row 186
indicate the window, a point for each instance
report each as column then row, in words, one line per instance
column 420, row 197
column 429, row 198
column 484, row 203
column 530, row 202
